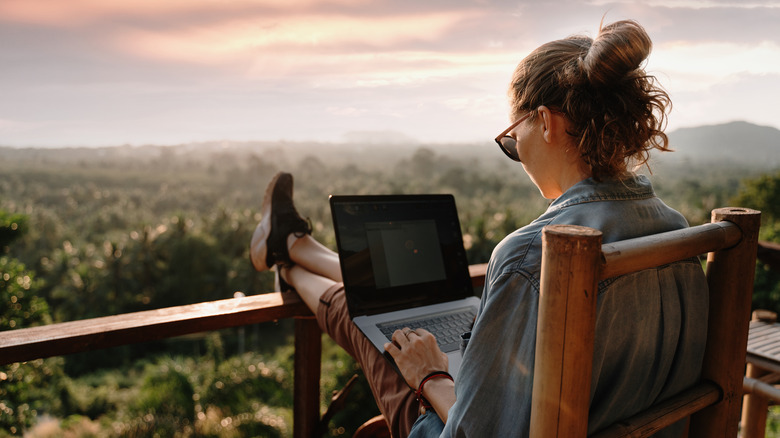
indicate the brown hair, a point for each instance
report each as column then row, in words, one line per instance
column 616, row 111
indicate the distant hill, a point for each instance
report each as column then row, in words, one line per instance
column 739, row 142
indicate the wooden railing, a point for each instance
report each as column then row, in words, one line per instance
column 93, row 334
column 769, row 253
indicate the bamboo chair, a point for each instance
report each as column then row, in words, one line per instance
column 574, row 261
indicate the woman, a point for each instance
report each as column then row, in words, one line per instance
column 583, row 112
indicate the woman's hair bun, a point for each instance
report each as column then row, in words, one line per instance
column 615, row 112
column 618, row 49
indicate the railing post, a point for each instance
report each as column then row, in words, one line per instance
column 306, row 391
column 754, row 404
column 565, row 331
column 730, row 274
column 754, row 408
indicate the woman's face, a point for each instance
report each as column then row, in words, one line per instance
column 542, row 147
column 532, row 154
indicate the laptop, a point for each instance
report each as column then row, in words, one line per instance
column 404, row 265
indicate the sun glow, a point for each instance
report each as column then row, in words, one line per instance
column 281, row 35
column 697, row 67
column 80, row 12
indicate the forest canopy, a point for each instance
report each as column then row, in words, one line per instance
column 93, row 232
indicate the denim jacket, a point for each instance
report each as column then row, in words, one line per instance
column 650, row 326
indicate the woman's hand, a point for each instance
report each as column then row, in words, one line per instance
column 416, row 354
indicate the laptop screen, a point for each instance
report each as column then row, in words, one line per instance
column 399, row 251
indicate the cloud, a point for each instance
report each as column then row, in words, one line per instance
column 109, row 72
column 700, row 4
column 342, row 111
column 714, row 62
column 81, row 12
column 9, row 126
column 731, row 23
column 737, row 97
column 296, row 35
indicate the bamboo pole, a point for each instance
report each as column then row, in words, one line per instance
column 762, row 388
column 664, row 414
column 755, row 404
column 633, row 255
column 565, row 331
column 730, row 275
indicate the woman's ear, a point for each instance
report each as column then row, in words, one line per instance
column 547, row 125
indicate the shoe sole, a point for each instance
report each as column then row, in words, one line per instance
column 259, row 262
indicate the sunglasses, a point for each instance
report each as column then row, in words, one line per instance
column 508, row 144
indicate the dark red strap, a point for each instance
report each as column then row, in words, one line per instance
column 423, row 402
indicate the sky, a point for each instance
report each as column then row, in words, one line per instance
column 114, row 72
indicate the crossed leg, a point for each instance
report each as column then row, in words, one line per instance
column 283, row 239
column 316, row 276
column 316, row 269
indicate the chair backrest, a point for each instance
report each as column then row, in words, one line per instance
column 574, row 261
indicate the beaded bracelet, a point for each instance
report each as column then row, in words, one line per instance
column 423, row 402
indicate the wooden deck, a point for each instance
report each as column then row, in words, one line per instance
column 762, row 373
column 764, row 345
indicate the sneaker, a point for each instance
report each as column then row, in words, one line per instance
column 280, row 219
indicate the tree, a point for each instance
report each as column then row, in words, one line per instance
column 763, row 193
column 11, row 228
column 22, row 386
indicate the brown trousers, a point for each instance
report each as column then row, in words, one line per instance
column 395, row 399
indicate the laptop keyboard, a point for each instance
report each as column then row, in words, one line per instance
column 446, row 327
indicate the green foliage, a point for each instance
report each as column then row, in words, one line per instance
column 695, row 188
column 19, row 304
column 243, row 381
column 763, row 193
column 164, row 404
column 175, row 262
column 25, row 389
column 128, row 229
column 243, row 396
column 337, row 368
column 12, row 226
column 166, row 391
column 766, row 289
column 95, row 395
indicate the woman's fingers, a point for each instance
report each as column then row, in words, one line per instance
column 416, row 354
column 393, row 349
column 424, row 334
column 405, row 336
column 400, row 337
